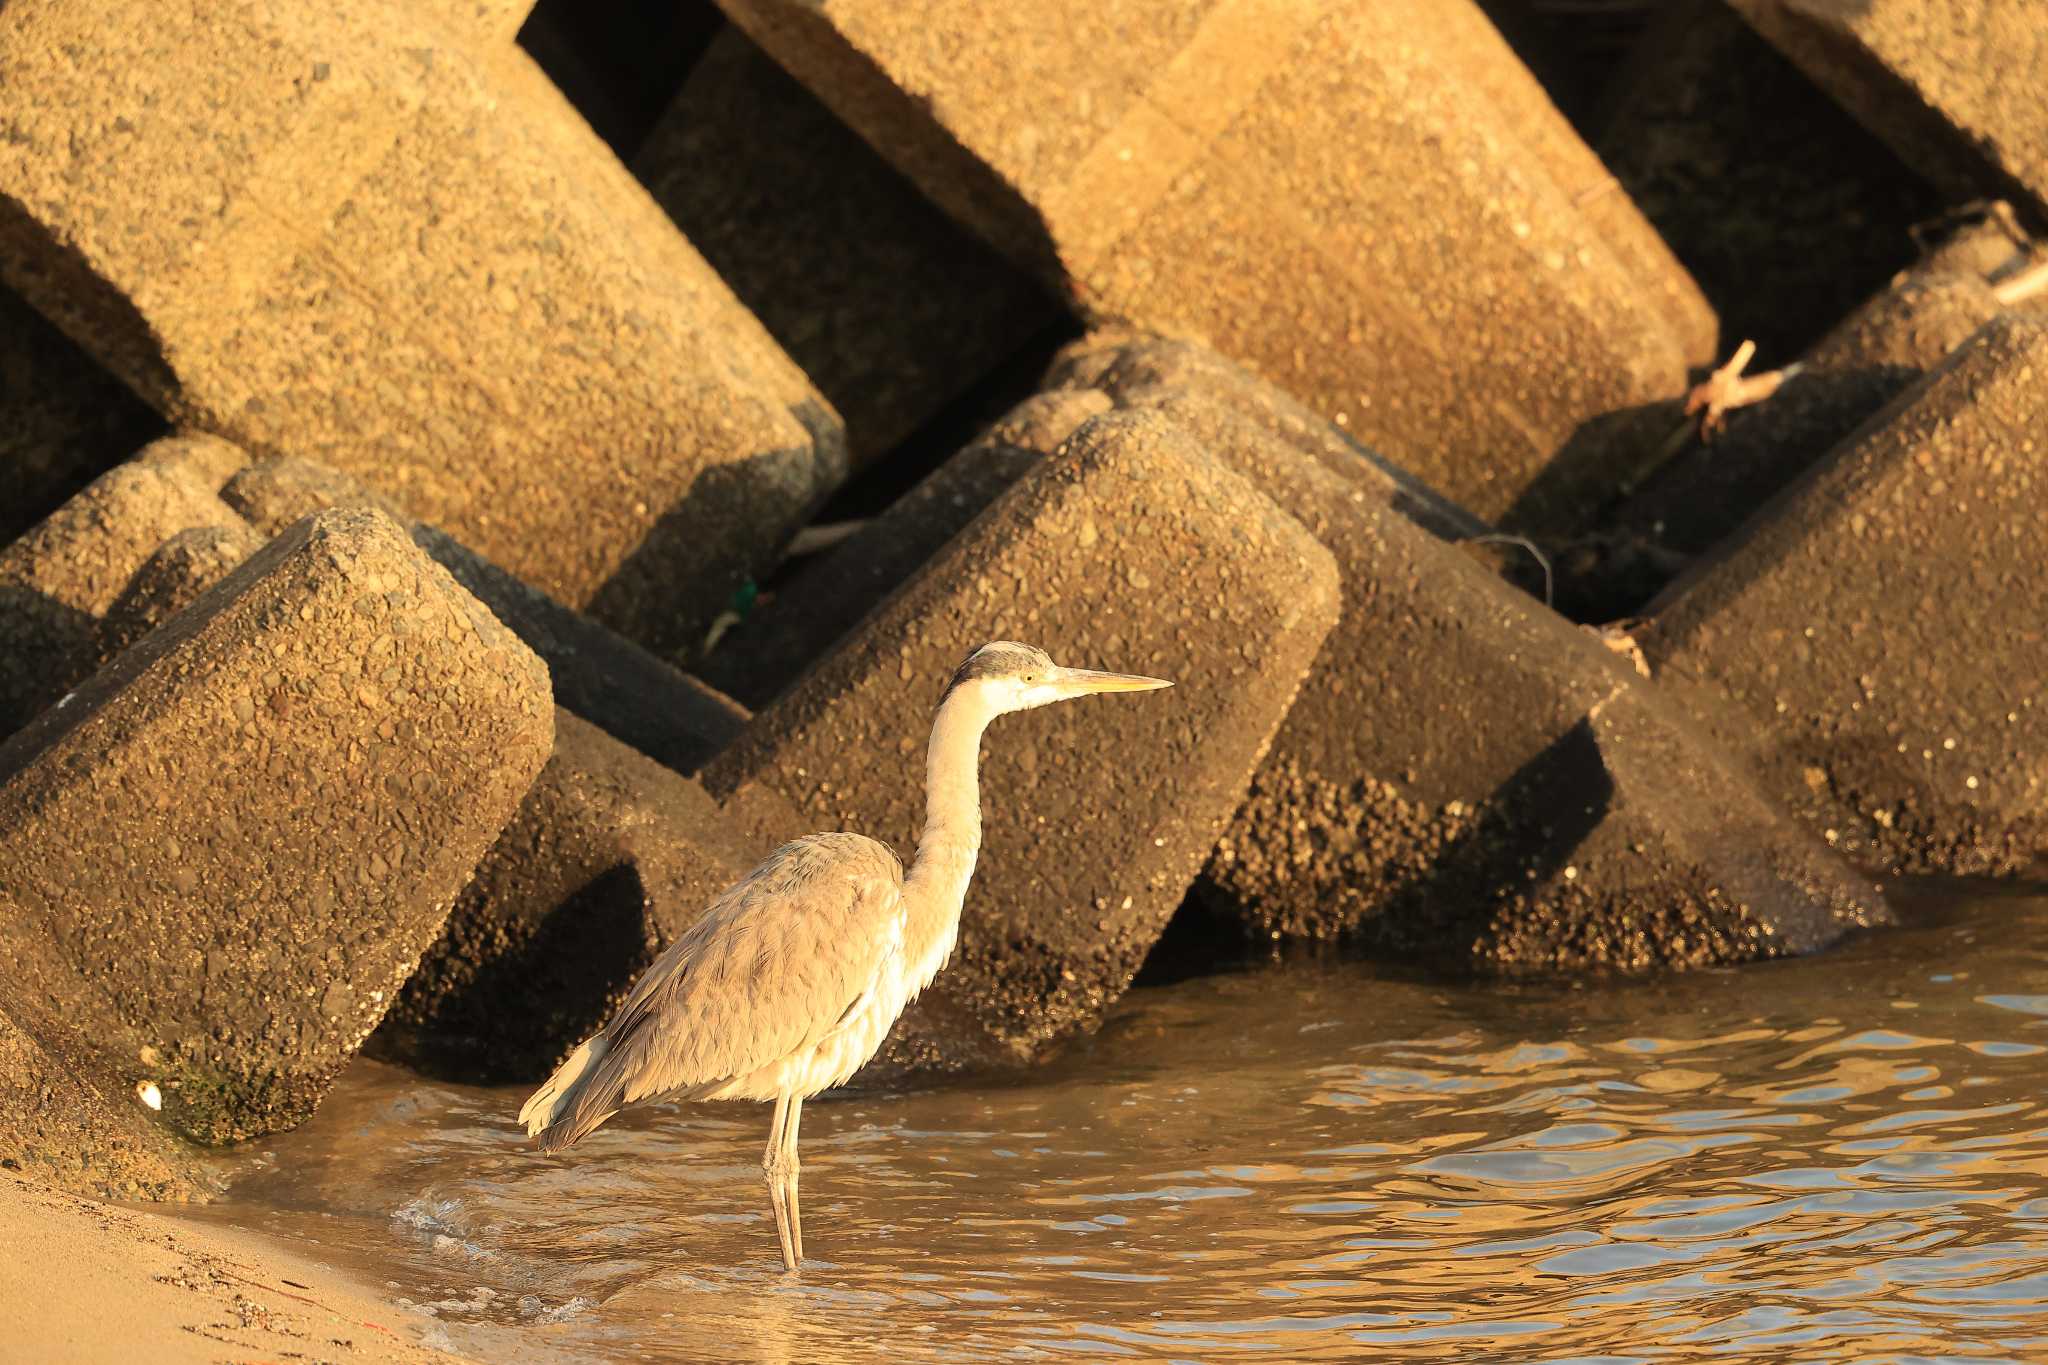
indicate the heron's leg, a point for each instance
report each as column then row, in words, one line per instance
column 796, row 1217
column 772, row 1171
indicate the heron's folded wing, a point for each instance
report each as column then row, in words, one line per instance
column 771, row 968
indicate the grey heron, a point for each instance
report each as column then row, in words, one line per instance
column 788, row 983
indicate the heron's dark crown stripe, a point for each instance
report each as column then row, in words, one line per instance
column 981, row 664
column 997, row 659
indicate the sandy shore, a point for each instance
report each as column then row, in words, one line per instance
column 83, row 1281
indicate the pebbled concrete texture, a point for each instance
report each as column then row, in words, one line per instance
column 402, row 254
column 1201, row 169
column 1868, row 359
column 223, row 855
column 1439, row 685
column 57, row 1127
column 1110, row 369
column 271, row 494
column 1389, row 809
column 1139, row 369
column 598, row 674
column 1785, row 209
column 1874, row 636
column 1686, row 863
column 153, row 533
column 759, row 660
column 1135, row 551
column 1626, row 843
column 353, row 718
column 184, row 566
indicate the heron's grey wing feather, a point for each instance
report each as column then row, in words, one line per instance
column 770, row 968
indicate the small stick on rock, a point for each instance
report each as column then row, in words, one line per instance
column 2022, row 285
column 1727, row 389
column 1707, row 407
column 820, row 537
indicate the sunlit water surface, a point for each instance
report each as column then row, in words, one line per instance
column 1844, row 1157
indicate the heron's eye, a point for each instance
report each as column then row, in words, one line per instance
column 1031, row 677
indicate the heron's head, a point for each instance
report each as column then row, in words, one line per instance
column 1004, row 676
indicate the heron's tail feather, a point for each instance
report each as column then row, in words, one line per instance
column 554, row 1100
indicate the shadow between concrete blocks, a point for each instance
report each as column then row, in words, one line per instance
column 35, row 631
column 503, row 1018
column 63, row 286
column 643, row 599
column 1587, row 473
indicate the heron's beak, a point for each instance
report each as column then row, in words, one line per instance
column 1079, row 682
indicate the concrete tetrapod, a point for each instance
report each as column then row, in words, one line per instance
column 1874, row 636
column 222, row 856
column 370, row 235
column 611, row 856
column 1255, row 173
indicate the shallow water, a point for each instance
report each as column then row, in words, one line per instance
column 1842, row 1157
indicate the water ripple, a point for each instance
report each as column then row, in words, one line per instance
column 1841, row 1157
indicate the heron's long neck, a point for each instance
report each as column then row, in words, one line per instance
column 937, row 884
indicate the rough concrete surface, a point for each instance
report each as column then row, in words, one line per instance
column 1949, row 84
column 611, row 857
column 1386, row 810
column 1132, row 551
column 204, row 460
column 1314, row 190
column 1438, row 688
column 1622, row 844
column 60, row 579
column 271, row 494
column 411, row 261
column 1136, row 369
column 888, row 306
column 1478, row 52
column 1786, row 210
column 184, row 566
column 1111, row 368
column 495, row 23
column 1984, row 238
column 222, row 856
column 601, row 676
column 1635, row 846
column 1878, row 630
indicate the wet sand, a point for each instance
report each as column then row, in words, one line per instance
column 86, row 1281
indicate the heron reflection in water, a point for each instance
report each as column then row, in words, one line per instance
column 787, row 985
